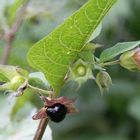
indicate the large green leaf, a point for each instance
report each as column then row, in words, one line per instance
column 119, row 48
column 53, row 54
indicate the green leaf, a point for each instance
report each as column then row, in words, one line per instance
column 8, row 72
column 3, row 78
column 118, row 49
column 96, row 32
column 86, row 56
column 53, row 54
column 41, row 77
column 37, row 79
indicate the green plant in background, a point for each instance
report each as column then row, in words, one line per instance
column 67, row 54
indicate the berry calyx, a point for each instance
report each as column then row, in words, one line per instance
column 55, row 109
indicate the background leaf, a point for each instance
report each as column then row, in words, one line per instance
column 13, row 10
column 133, row 108
column 119, row 48
column 17, row 128
column 53, row 54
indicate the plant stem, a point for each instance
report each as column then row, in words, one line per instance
column 40, row 91
column 7, row 50
column 41, row 129
column 42, row 126
column 110, row 63
column 10, row 35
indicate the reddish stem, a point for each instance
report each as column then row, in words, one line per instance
column 10, row 35
column 41, row 129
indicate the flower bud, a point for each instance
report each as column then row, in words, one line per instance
column 103, row 81
column 131, row 60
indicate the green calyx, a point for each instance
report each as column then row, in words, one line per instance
column 16, row 82
column 81, row 72
column 103, row 81
column 17, row 85
column 129, row 61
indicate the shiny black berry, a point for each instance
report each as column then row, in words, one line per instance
column 57, row 112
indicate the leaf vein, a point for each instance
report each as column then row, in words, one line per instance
column 64, row 45
column 50, row 59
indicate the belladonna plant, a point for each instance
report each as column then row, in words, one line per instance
column 67, row 54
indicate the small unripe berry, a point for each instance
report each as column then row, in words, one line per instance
column 81, row 70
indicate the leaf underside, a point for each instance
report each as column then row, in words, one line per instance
column 53, row 54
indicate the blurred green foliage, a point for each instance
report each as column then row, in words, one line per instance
column 114, row 116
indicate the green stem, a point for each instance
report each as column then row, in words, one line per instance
column 40, row 91
column 110, row 63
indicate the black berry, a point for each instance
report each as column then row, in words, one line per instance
column 57, row 112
